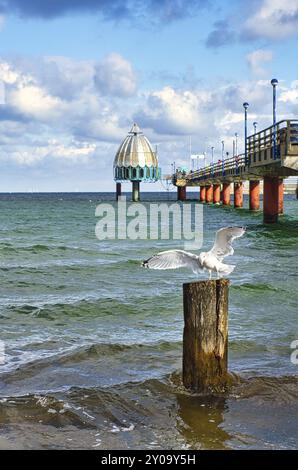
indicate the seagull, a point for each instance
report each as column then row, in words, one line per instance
column 206, row 261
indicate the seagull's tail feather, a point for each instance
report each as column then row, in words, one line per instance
column 145, row 264
column 226, row 269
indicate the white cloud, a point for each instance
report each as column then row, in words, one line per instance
column 274, row 19
column 289, row 97
column 170, row 111
column 257, row 59
column 36, row 102
column 40, row 125
column 114, row 75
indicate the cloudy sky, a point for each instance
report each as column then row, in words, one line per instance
column 75, row 74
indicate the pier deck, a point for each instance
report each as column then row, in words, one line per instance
column 271, row 154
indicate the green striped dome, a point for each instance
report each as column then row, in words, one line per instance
column 135, row 158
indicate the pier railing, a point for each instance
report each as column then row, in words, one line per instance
column 266, row 147
column 273, row 143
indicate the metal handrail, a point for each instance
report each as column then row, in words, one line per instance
column 218, row 169
column 283, row 132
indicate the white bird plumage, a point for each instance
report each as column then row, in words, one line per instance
column 209, row 261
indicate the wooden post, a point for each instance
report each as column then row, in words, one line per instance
column 205, row 336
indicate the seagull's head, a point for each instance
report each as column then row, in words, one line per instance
column 202, row 257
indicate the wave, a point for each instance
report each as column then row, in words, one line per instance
column 261, row 287
column 79, row 354
column 92, row 306
column 39, row 248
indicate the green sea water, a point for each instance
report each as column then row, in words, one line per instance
column 93, row 342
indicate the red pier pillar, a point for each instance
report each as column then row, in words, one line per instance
column 202, row 194
column 181, row 193
column 271, row 199
column 118, row 191
column 209, row 194
column 238, row 195
column 226, row 194
column 254, row 195
column 216, row 194
column 280, row 196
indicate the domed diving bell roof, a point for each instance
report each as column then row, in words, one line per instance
column 135, row 151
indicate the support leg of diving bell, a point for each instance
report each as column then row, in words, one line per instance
column 118, row 191
column 135, row 191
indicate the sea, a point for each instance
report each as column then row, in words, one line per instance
column 91, row 342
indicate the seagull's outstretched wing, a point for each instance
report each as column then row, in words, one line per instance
column 223, row 241
column 173, row 259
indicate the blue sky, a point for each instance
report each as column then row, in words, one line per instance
column 76, row 74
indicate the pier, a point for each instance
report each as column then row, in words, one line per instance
column 270, row 155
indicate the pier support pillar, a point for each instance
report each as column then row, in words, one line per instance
column 281, row 196
column 135, row 191
column 226, row 194
column 254, row 195
column 202, row 194
column 209, row 194
column 238, row 195
column 271, row 199
column 181, row 193
column 118, row 191
column 205, row 335
column 216, row 194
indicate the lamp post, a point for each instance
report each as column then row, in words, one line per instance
column 245, row 106
column 236, row 143
column 212, row 160
column 255, row 127
column 274, row 83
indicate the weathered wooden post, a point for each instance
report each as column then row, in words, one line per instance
column 205, row 336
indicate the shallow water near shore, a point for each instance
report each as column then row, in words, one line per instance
column 93, row 342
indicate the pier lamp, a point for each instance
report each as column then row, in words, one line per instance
column 274, row 83
column 255, row 127
column 212, row 159
column 236, row 143
column 245, row 106
column 222, row 149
